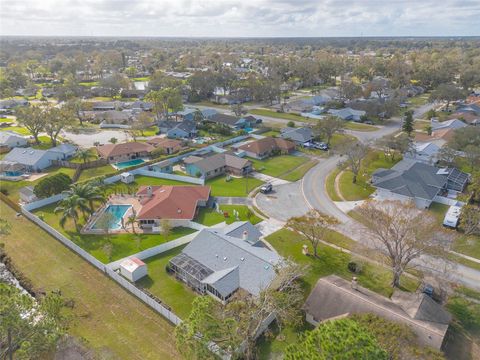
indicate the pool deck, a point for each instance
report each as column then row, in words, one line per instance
column 115, row 200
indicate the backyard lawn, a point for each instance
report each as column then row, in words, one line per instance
column 210, row 217
column 171, row 291
column 362, row 188
column 104, row 315
column 12, row 187
column 237, row 187
column 122, row 245
column 94, row 172
column 468, row 245
column 330, row 261
column 279, row 166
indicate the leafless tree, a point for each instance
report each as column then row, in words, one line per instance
column 401, row 232
column 354, row 152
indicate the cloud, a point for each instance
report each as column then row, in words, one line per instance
column 239, row 17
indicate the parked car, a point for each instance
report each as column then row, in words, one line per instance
column 320, row 146
column 368, row 122
column 307, row 145
column 267, row 188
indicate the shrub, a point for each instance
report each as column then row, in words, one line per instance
column 354, row 267
column 291, row 124
column 52, row 185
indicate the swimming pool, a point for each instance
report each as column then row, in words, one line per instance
column 126, row 164
column 118, row 212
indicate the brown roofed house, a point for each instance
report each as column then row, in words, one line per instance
column 177, row 204
column 333, row 297
column 170, row 146
column 263, row 148
column 124, row 152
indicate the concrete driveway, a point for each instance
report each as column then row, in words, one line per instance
column 284, row 202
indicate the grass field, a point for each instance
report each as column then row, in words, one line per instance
column 12, row 187
column 105, row 316
column 330, row 261
column 210, row 217
column 122, row 245
column 171, row 291
column 330, row 185
column 235, row 187
column 468, row 245
column 279, row 115
column 279, row 166
column 299, row 172
column 362, row 188
column 359, row 126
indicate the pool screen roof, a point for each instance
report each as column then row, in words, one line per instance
column 191, row 266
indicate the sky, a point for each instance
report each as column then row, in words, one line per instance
column 240, row 18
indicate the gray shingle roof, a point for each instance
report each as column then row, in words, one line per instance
column 217, row 251
column 302, row 134
column 237, row 229
column 26, row 156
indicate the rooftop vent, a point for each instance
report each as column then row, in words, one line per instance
column 242, row 259
column 225, row 258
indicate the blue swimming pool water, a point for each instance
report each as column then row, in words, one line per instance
column 126, row 164
column 118, row 211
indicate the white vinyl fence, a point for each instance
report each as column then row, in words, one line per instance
column 160, row 175
column 160, row 308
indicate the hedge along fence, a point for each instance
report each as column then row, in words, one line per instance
column 143, row 296
column 10, row 202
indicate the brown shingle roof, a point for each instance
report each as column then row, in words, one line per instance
column 334, row 296
column 268, row 144
column 108, row 150
column 171, row 202
column 164, row 143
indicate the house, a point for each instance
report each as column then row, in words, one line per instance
column 263, row 148
column 216, row 165
column 423, row 152
column 27, row 195
column 133, row 269
column 125, row 151
column 467, row 117
column 208, row 113
column 438, row 137
column 11, row 139
column 299, row 136
column 66, row 151
column 8, row 106
column 116, row 117
column 417, row 181
column 132, row 93
column 178, row 129
column 448, row 124
column 164, row 166
column 231, row 121
column 187, row 114
column 348, row 114
column 177, row 204
column 218, row 262
column 170, row 146
column 472, row 108
column 334, row 297
column 141, row 106
column 105, row 105
column 34, row 160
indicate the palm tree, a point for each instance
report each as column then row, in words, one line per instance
column 132, row 220
column 68, row 206
column 85, row 154
column 88, row 192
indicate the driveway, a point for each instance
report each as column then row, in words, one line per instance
column 284, row 202
column 231, row 200
column 268, row 179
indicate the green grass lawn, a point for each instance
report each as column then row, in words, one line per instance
column 171, row 291
column 104, row 315
column 300, row 171
column 235, row 187
column 359, row 126
column 94, row 172
column 330, row 261
column 274, row 114
column 18, row 129
column 12, row 187
column 210, row 217
column 439, row 210
column 151, row 131
column 330, row 185
column 339, row 139
column 468, row 245
column 279, row 166
column 271, row 133
column 362, row 188
column 6, row 120
column 122, row 244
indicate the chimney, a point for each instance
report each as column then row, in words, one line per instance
column 354, row 283
column 245, row 235
column 149, row 191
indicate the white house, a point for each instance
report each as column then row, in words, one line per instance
column 33, row 159
column 12, row 139
column 133, row 269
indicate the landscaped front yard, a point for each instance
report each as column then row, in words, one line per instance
column 121, row 245
column 237, row 187
column 279, row 166
column 167, row 288
column 210, row 217
column 362, row 188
